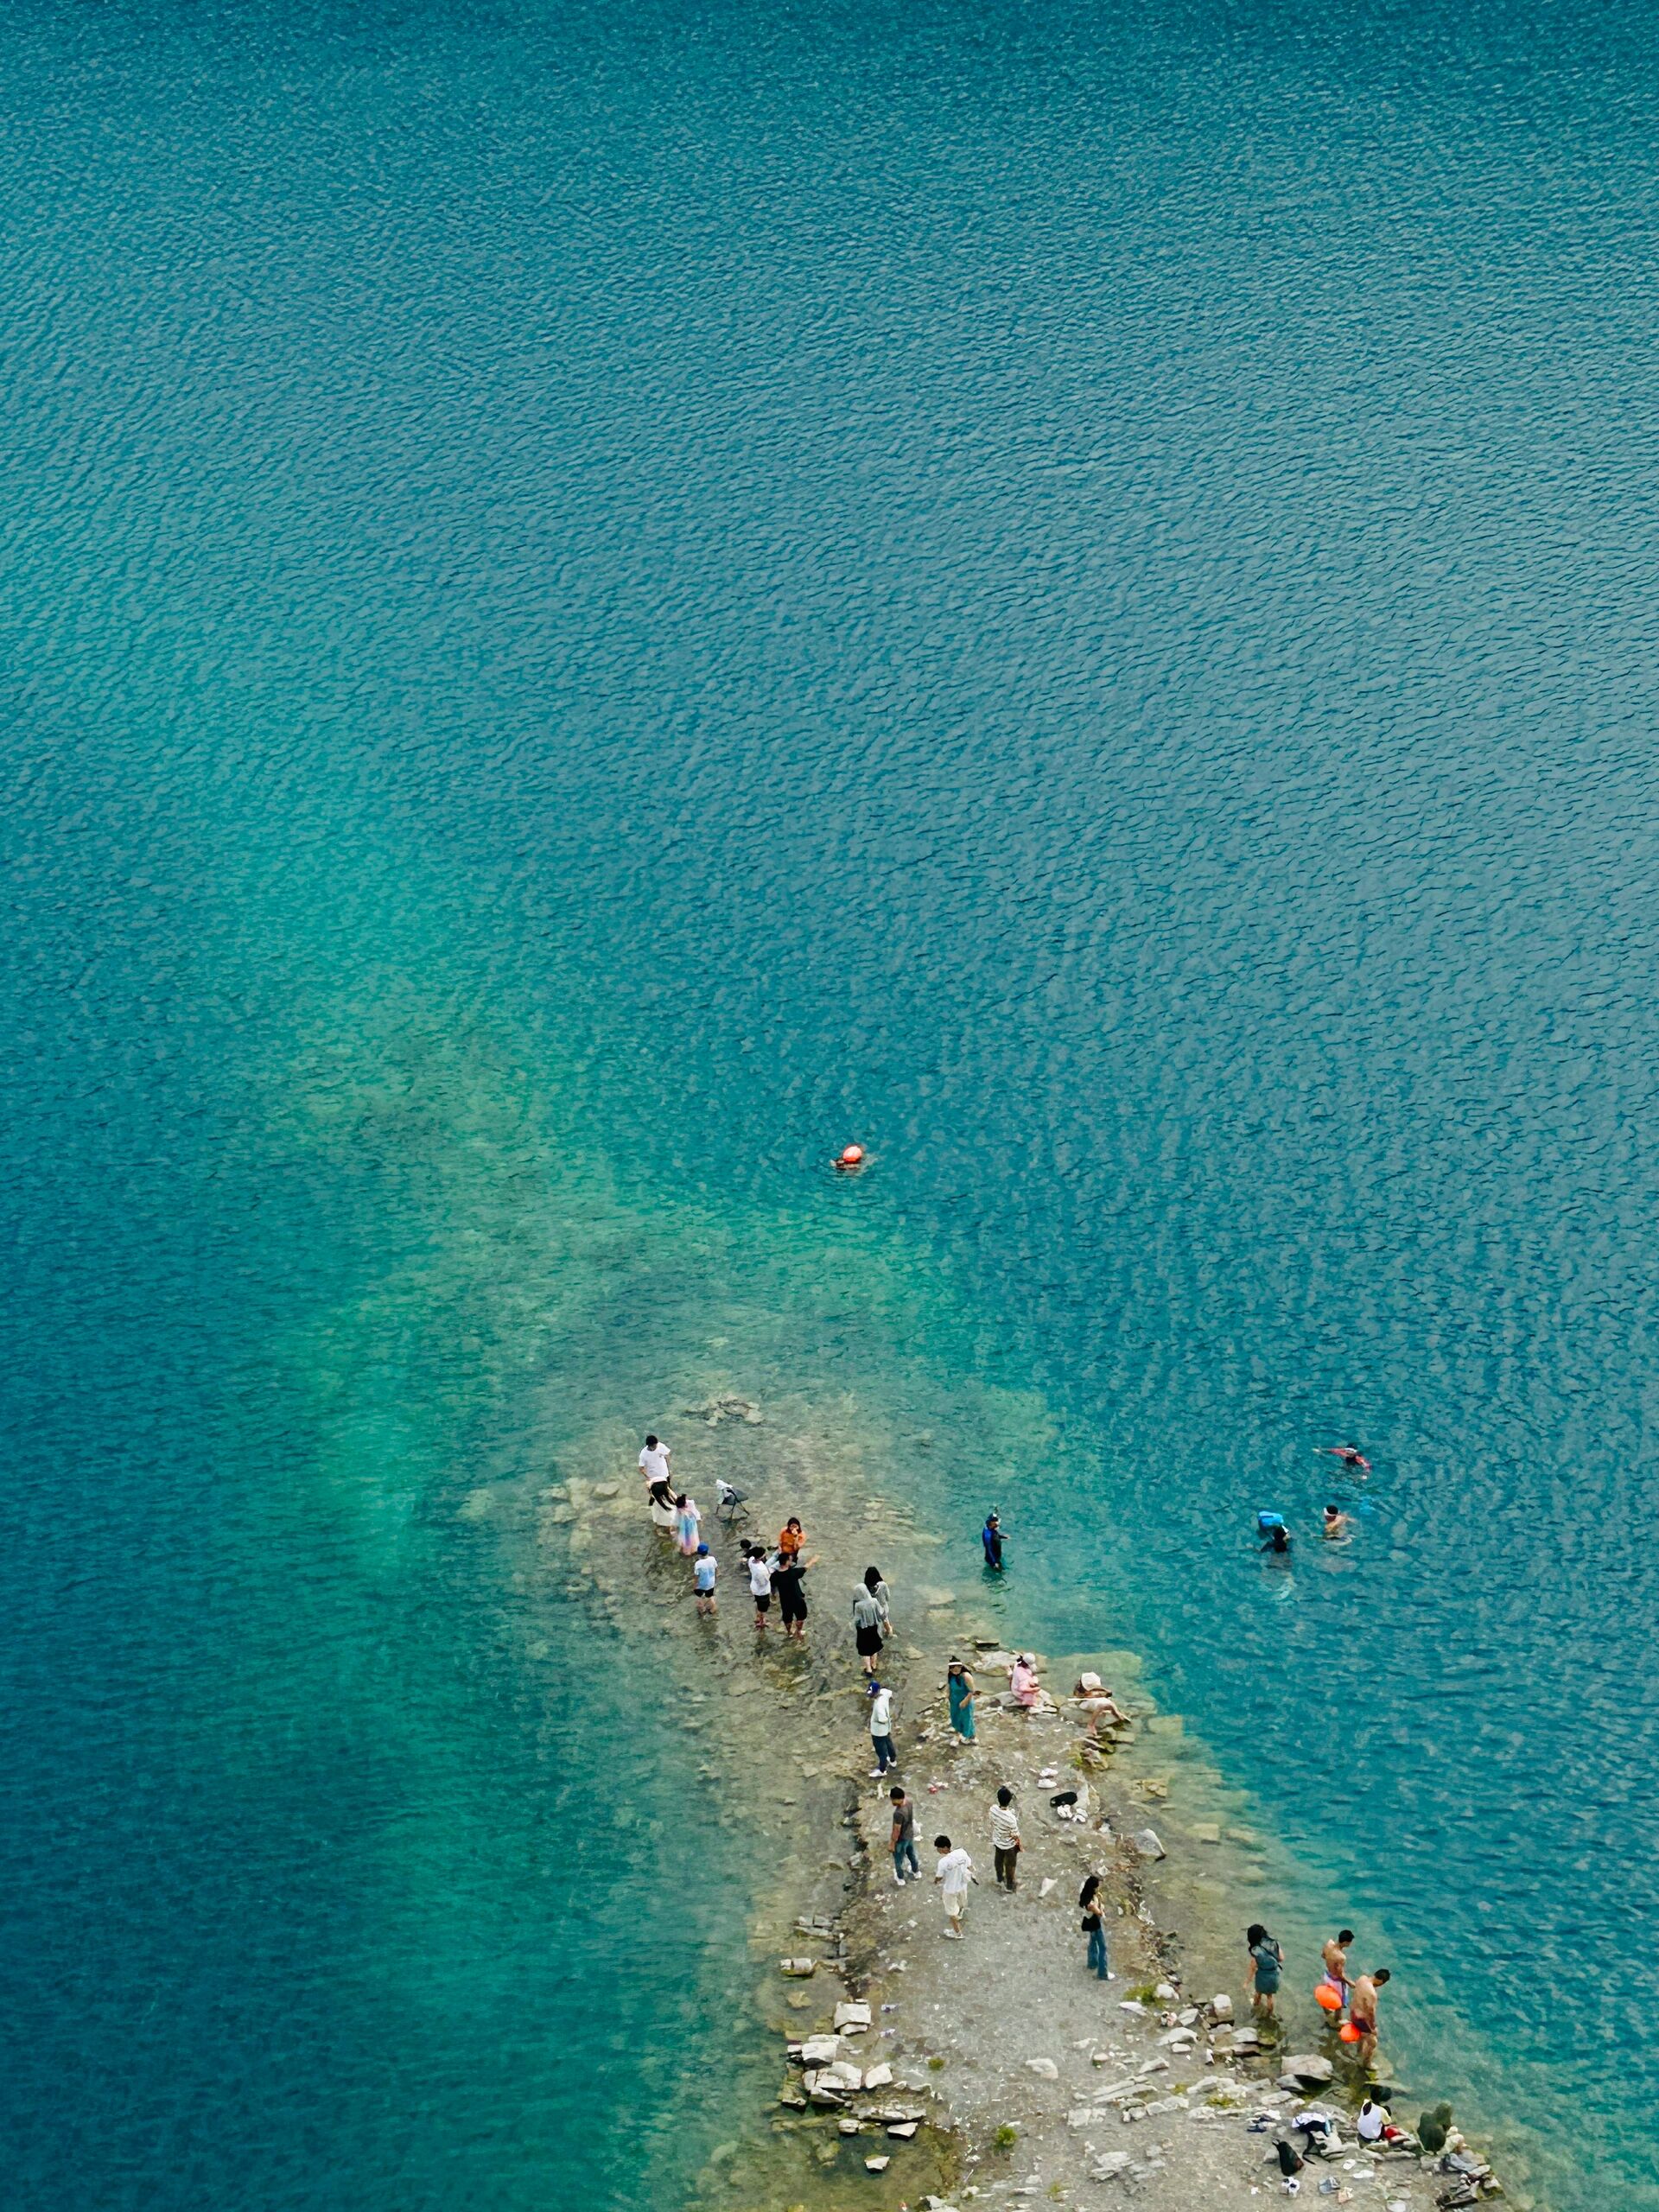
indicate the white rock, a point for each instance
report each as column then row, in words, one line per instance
column 1045, row 1885
column 798, row 1968
column 847, row 2127
column 1110, row 2165
column 820, row 2050
column 1132, row 2005
column 1045, row 2067
column 1221, row 2005
column 1084, row 2116
column 1306, row 2066
column 904, row 2129
column 879, row 2077
column 877, row 2166
column 1147, row 1844
column 852, row 2016
column 1165, row 1992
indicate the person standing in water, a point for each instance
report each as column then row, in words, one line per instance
column 703, row 1572
column 687, row 1522
column 1094, row 1927
column 991, row 1536
column 760, row 1587
column 653, row 1463
column 788, row 1579
column 960, row 1684
column 1335, row 1955
column 1336, row 1525
column 1362, row 2012
column 1267, row 1964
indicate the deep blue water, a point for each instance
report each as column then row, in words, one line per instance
column 594, row 601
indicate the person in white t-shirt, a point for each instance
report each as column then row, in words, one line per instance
column 760, row 1586
column 953, row 1873
column 886, row 1757
column 659, row 1488
column 705, row 1568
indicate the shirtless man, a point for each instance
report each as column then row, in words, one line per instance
column 1350, row 1456
column 1335, row 1955
column 1336, row 1524
column 1362, row 2010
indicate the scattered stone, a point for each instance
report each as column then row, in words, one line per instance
column 877, row 2166
column 820, row 2050
column 1147, row 1844
column 879, row 2077
column 1045, row 2067
column 788, row 2098
column 1306, row 2066
column 606, row 1490
column 848, row 2126
column 903, row 2129
column 851, row 2015
column 1110, row 2165
column 1165, row 1992
column 1084, row 2116
column 798, row 1969
column 1204, row 1832
column 1045, row 1885
column 1221, row 2007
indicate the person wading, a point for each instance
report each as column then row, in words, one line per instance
column 1267, row 1964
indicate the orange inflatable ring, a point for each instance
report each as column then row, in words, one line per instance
column 851, row 1155
column 1350, row 2033
column 1328, row 1997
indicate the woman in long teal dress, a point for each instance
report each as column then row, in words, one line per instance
column 960, row 1684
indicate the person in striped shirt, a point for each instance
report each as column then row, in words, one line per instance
column 1005, row 1838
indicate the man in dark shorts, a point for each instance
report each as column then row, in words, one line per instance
column 787, row 1579
column 1362, row 2011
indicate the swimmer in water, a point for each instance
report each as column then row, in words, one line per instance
column 1278, row 1540
column 1350, row 1456
column 1337, row 1525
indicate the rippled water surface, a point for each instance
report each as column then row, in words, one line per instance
column 595, row 599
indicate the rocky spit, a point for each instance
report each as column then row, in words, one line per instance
column 915, row 2070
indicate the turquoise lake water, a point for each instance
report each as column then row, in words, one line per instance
column 594, row 601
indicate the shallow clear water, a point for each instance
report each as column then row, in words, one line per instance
column 593, row 604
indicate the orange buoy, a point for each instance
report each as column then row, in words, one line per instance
column 1350, row 2033
column 1328, row 1997
column 850, row 1155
